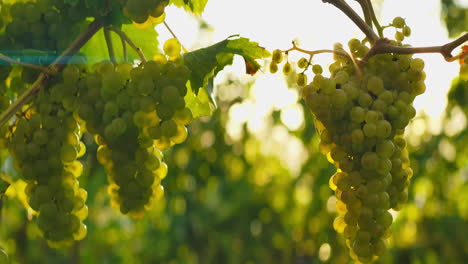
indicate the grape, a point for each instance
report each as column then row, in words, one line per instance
column 398, row 22
column 406, row 31
column 277, row 56
column 317, row 69
column 301, row 79
column 302, row 63
column 273, row 67
column 172, row 47
column 287, row 68
column 375, row 85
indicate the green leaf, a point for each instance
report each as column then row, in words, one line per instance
column 194, row 6
column 205, row 63
column 199, row 104
column 146, row 39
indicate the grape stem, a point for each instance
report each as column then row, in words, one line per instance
column 313, row 52
column 129, row 41
column 110, row 45
column 383, row 46
column 56, row 65
column 27, row 65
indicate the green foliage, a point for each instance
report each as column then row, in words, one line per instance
column 207, row 62
column 194, row 6
column 455, row 17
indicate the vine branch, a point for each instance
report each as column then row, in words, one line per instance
column 56, row 64
column 345, row 8
column 129, row 41
column 383, row 46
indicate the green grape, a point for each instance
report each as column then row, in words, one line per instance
column 399, row 36
column 301, row 79
column 302, row 63
column 357, row 114
column 273, row 67
column 172, row 47
column 406, row 31
column 398, row 22
column 375, row 85
column 287, row 68
column 317, row 69
column 277, row 56
column 365, row 100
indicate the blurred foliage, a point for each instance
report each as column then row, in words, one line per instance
column 455, row 17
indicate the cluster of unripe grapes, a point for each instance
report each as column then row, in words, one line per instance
column 141, row 10
column 402, row 30
column 360, row 114
column 133, row 112
column 45, row 144
column 48, row 25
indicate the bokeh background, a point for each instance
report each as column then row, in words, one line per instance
column 249, row 185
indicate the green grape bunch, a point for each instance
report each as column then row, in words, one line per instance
column 45, row 143
column 361, row 113
column 47, row 25
column 134, row 113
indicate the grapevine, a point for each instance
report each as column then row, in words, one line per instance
column 84, row 82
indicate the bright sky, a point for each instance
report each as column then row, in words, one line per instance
column 275, row 23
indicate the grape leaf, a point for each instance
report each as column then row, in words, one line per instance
column 146, row 39
column 200, row 104
column 205, row 63
column 194, row 6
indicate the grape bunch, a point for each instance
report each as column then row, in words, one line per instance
column 45, row 144
column 48, row 25
column 360, row 114
column 134, row 113
column 141, row 10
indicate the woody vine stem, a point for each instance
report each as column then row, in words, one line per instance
column 382, row 45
